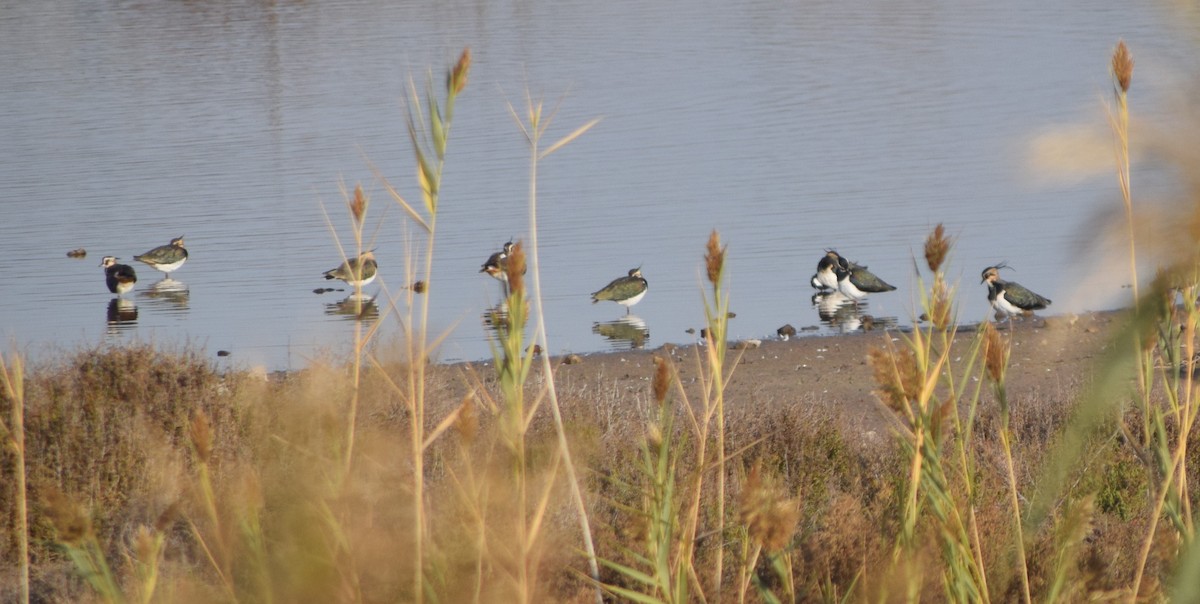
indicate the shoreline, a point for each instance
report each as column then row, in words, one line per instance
column 1051, row 356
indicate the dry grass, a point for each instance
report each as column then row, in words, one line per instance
column 122, row 452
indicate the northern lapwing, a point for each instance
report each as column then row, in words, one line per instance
column 119, row 277
column 165, row 258
column 497, row 262
column 1009, row 297
column 826, row 277
column 356, row 272
column 626, row 291
column 855, row 281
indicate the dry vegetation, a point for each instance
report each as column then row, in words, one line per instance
column 149, row 475
column 275, row 462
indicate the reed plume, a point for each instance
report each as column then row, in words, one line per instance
column 769, row 515
column 714, row 258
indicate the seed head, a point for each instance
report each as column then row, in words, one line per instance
column 457, row 79
column 897, row 375
column 714, row 257
column 202, row 437
column 70, row 522
column 514, row 267
column 941, row 307
column 419, row 287
column 654, row 435
column 662, row 379
column 358, row 204
column 937, row 245
column 770, row 518
column 995, row 353
column 145, row 544
column 1122, row 67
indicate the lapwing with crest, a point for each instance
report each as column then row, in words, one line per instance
column 1010, row 297
column 626, row 291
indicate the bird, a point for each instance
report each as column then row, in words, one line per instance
column 626, row 291
column 497, row 262
column 854, row 280
column 166, row 258
column 119, row 277
column 1009, row 297
column 356, row 271
column 826, row 278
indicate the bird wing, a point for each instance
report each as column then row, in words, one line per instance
column 163, row 254
column 1022, row 297
column 493, row 261
column 866, row 281
column 620, row 289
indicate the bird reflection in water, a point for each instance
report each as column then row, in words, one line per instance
column 354, row 308
column 495, row 321
column 122, row 314
column 627, row 333
column 167, row 292
column 846, row 315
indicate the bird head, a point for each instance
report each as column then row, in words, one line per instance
column 992, row 273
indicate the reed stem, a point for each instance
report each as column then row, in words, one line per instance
column 535, row 131
column 14, row 388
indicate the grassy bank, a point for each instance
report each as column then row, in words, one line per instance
column 253, row 503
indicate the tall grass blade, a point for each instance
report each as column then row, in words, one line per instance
column 566, row 140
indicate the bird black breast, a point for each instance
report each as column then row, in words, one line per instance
column 994, row 290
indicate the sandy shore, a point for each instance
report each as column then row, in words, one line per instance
column 1051, row 357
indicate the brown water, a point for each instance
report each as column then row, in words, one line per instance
column 790, row 127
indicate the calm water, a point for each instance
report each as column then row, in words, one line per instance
column 789, row 126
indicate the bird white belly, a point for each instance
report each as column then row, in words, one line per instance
column 1003, row 305
column 848, row 288
column 633, row 300
column 166, row 268
column 827, row 278
column 366, row 281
